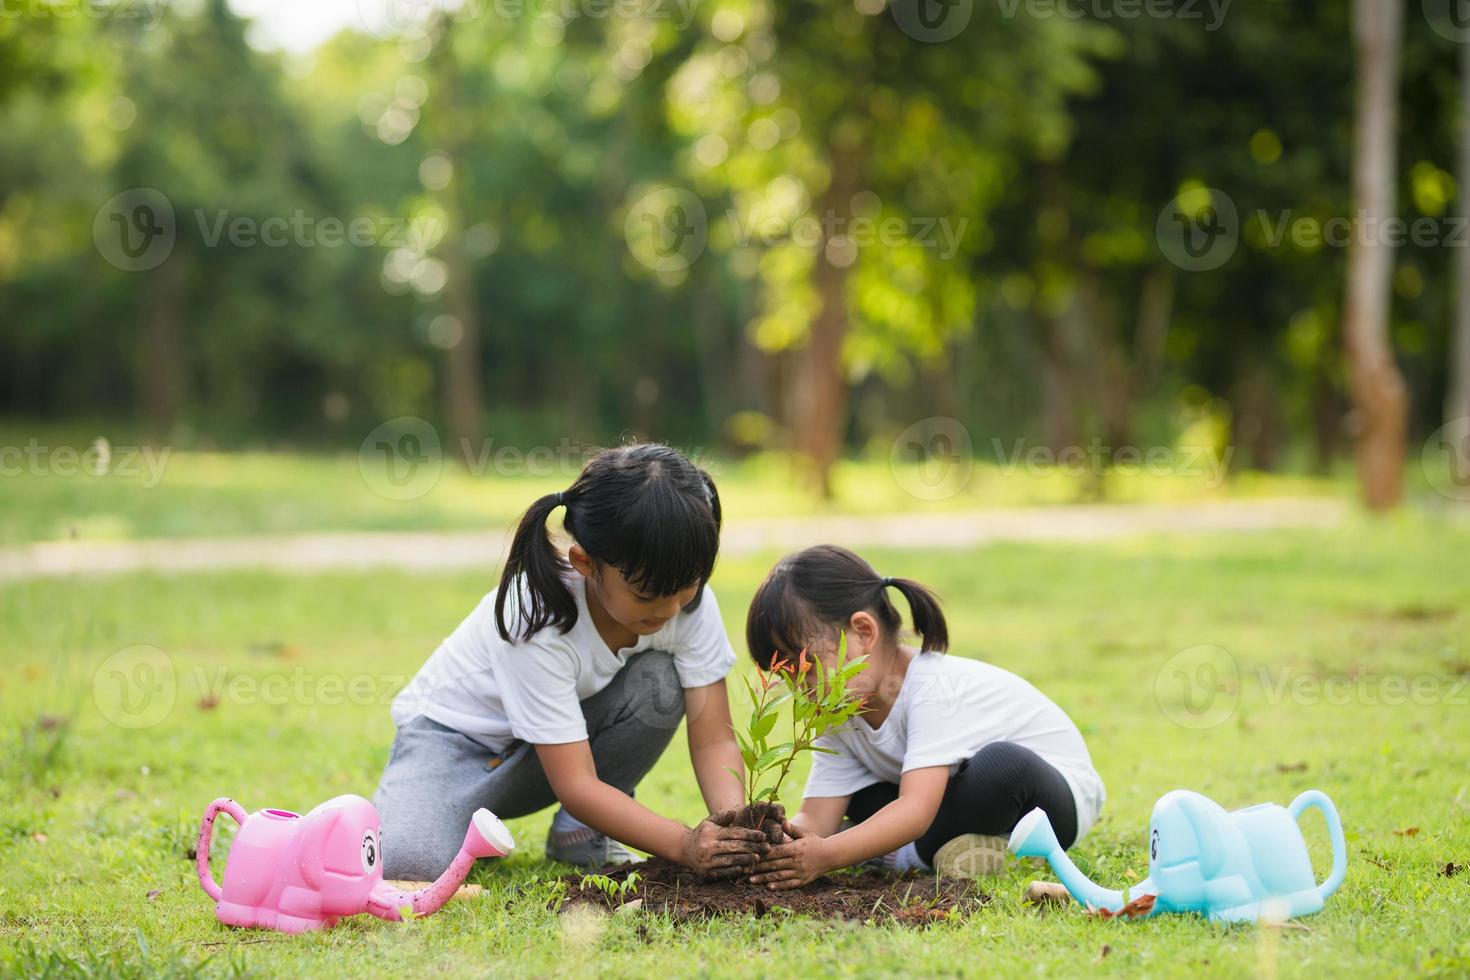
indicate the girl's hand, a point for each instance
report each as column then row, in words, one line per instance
column 717, row 850
column 795, row 864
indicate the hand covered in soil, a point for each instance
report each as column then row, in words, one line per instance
column 716, row 849
column 792, row 865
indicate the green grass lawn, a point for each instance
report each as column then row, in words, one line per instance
column 56, row 487
column 96, row 818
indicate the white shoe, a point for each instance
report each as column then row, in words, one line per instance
column 969, row 855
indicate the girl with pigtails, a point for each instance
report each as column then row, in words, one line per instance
column 567, row 682
column 948, row 753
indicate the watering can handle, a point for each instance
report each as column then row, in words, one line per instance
column 1320, row 800
column 201, row 848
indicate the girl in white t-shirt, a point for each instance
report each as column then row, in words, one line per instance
column 948, row 754
column 566, row 683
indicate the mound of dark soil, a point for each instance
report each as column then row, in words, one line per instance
column 907, row 899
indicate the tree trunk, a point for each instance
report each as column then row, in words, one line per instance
column 1377, row 387
column 1457, row 394
column 462, row 399
column 162, row 367
column 1059, row 413
column 819, row 394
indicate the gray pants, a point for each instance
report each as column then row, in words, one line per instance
column 437, row 777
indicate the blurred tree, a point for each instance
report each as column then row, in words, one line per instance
column 1457, row 389
column 1377, row 387
column 861, row 162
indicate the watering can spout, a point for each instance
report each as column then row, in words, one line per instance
column 1034, row 837
column 486, row 837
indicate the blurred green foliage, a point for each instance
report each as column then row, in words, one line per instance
column 517, row 278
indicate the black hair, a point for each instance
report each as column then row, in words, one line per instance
column 644, row 509
column 817, row 591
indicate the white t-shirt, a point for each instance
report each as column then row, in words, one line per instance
column 496, row 692
column 947, row 709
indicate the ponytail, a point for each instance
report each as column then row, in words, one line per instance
column 643, row 509
column 925, row 616
column 542, row 599
column 819, row 589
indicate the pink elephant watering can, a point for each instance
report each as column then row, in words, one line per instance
column 295, row 873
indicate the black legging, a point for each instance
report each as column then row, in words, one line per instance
column 989, row 794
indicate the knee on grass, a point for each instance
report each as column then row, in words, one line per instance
column 418, row 853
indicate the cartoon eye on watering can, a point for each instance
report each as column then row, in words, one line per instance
column 1230, row 866
column 293, row 873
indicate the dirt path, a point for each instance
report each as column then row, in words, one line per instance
column 438, row 551
column 434, row 551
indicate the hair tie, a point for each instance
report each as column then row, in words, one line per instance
column 561, row 498
column 887, row 581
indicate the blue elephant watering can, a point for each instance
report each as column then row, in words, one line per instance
column 1236, row 866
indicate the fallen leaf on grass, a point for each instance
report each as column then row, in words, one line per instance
column 1451, row 869
column 1139, row 907
column 207, row 702
column 1407, row 832
column 154, row 893
column 39, row 837
column 1291, row 767
column 1047, row 893
column 1102, row 954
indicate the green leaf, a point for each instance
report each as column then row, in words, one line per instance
column 761, row 727
column 772, row 756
